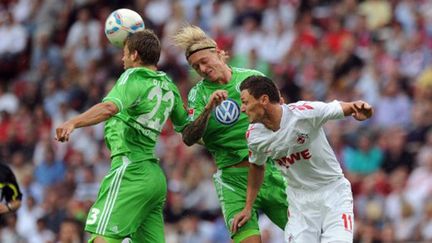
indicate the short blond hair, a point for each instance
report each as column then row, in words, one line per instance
column 192, row 39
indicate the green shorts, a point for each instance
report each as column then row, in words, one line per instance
column 231, row 187
column 130, row 202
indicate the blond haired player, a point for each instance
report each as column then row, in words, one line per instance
column 214, row 109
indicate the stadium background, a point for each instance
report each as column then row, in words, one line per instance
column 55, row 62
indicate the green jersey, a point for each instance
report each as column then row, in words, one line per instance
column 224, row 136
column 145, row 100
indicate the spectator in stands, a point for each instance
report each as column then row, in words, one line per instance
column 365, row 158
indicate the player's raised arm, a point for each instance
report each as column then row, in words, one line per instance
column 195, row 130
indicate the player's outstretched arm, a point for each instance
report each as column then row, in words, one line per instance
column 194, row 131
column 360, row 110
column 96, row 114
column 255, row 179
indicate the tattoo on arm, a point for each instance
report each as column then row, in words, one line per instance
column 194, row 131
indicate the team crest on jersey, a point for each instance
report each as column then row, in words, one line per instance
column 301, row 138
column 227, row 112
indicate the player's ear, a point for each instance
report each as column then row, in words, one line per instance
column 281, row 98
column 264, row 99
column 135, row 55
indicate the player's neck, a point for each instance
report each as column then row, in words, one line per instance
column 227, row 75
column 151, row 67
column 273, row 117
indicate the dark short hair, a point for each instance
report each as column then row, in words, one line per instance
column 258, row 86
column 147, row 44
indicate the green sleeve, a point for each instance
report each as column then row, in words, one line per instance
column 179, row 115
column 125, row 92
column 195, row 104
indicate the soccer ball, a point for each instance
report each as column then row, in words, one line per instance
column 121, row 23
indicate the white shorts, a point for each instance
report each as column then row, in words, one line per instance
column 324, row 215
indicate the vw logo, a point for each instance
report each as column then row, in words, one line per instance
column 227, row 112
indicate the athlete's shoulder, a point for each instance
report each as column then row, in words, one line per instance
column 144, row 72
column 163, row 77
column 254, row 132
column 194, row 91
column 4, row 167
column 138, row 74
column 246, row 71
column 302, row 108
column 5, row 170
column 198, row 85
column 127, row 75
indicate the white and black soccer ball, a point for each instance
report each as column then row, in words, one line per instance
column 121, row 23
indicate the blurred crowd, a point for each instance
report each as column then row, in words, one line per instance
column 55, row 62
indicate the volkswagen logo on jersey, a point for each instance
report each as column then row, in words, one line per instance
column 227, row 112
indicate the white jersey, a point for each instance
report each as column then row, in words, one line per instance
column 300, row 146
